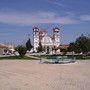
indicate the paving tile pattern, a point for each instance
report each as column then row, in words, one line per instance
column 32, row 75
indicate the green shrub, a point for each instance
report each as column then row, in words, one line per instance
column 21, row 50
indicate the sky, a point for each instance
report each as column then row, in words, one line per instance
column 18, row 17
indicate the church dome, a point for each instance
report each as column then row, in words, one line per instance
column 35, row 29
column 56, row 29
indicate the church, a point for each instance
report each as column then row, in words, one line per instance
column 41, row 35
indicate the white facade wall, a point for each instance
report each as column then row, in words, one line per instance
column 46, row 41
column 57, row 41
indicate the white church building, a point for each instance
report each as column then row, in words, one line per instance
column 41, row 35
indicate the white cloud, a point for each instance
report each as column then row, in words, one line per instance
column 85, row 18
column 34, row 18
column 59, row 4
column 56, row 3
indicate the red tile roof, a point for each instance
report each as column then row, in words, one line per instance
column 63, row 46
column 3, row 46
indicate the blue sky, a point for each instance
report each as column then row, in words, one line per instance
column 18, row 17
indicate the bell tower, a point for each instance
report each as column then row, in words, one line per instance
column 35, row 38
column 56, row 36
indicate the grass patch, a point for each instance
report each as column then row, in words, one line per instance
column 17, row 57
column 77, row 57
column 37, row 57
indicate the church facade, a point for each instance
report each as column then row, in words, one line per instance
column 41, row 35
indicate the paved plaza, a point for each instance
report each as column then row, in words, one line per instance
column 32, row 75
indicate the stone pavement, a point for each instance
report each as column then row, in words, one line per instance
column 32, row 75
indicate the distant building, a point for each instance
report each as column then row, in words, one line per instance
column 6, row 49
column 2, row 48
column 41, row 35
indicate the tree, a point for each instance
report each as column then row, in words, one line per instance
column 40, row 48
column 71, row 47
column 82, row 44
column 21, row 50
column 29, row 45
